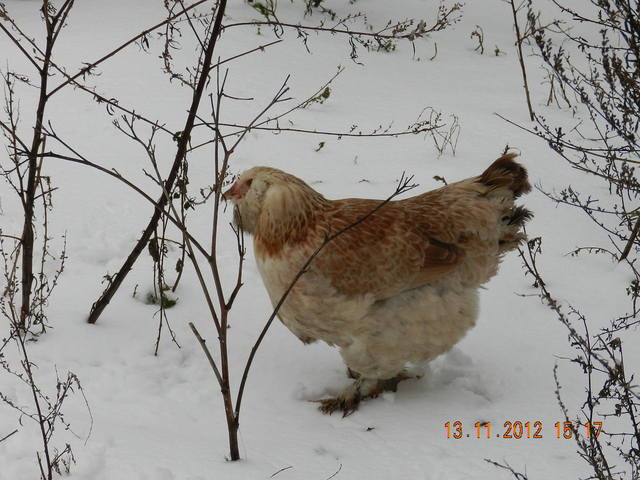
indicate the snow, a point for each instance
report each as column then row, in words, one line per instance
column 161, row 417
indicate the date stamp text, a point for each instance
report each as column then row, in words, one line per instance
column 519, row 429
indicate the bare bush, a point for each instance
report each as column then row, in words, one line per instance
column 593, row 59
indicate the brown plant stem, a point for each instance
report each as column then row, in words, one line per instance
column 521, row 59
column 632, row 239
column 53, row 25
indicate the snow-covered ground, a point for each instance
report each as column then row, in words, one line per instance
column 161, row 417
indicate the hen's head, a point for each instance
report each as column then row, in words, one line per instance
column 269, row 198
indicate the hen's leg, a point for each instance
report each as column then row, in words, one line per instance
column 349, row 399
column 352, row 374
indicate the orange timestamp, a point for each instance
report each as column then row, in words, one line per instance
column 519, row 429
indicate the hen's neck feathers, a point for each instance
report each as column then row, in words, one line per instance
column 289, row 214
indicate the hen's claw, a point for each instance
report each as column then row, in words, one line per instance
column 347, row 406
column 349, row 401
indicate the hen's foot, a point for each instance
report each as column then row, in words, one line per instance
column 349, row 400
column 346, row 405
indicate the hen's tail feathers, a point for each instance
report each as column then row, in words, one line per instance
column 506, row 173
column 512, row 234
column 520, row 216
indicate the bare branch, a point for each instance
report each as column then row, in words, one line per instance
column 7, row 436
column 207, row 352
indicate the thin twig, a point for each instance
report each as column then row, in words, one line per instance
column 521, row 59
column 207, row 352
column 256, row 123
column 632, row 239
column 281, row 470
column 395, row 134
column 509, row 468
column 7, row 436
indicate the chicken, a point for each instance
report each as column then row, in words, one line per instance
column 401, row 286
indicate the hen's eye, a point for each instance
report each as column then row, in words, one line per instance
column 248, row 182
